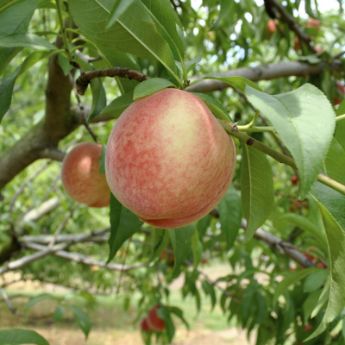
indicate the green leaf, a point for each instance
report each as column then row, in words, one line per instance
column 102, row 160
column 167, row 22
column 99, row 98
column 123, row 224
column 150, row 86
column 334, row 167
column 38, row 299
column 230, row 215
column 134, row 32
column 6, row 91
column 179, row 313
column 336, row 248
column 215, row 106
column 209, row 290
column 64, row 63
column 59, row 313
column 181, row 240
column 115, row 108
column 15, row 17
column 315, row 280
column 305, row 122
column 196, row 248
column 237, row 82
column 16, row 336
column 256, row 189
column 83, row 320
column 119, row 8
column 25, row 41
column 291, row 278
column 306, row 225
column 7, row 84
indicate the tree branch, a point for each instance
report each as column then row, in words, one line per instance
column 86, row 260
column 53, row 154
column 84, row 80
column 284, row 16
column 58, row 125
column 41, row 210
column 262, row 72
column 94, row 236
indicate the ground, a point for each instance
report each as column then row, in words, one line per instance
column 111, row 324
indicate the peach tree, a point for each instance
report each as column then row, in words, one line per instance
column 180, row 81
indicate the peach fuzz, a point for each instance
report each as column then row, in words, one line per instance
column 81, row 176
column 168, row 159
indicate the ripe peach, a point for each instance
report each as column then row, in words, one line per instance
column 81, row 175
column 154, row 321
column 144, row 326
column 313, row 23
column 168, row 159
column 271, row 26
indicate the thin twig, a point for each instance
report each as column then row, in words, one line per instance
column 41, row 210
column 84, row 120
column 84, row 80
column 86, row 260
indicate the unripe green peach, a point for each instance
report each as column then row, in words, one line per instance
column 168, row 159
column 81, row 176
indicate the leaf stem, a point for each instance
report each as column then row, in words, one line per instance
column 339, row 187
column 340, row 117
column 280, row 157
column 63, row 31
column 249, row 124
column 256, row 129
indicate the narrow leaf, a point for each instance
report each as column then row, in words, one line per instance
column 99, row 99
column 237, row 82
column 256, row 189
column 17, row 336
column 115, row 108
column 215, row 106
column 123, row 224
column 150, row 86
column 25, row 41
column 336, row 245
column 181, row 240
column 6, row 91
column 230, row 216
column 135, row 27
column 119, row 8
column 82, row 320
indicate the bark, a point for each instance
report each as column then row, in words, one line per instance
column 262, row 72
column 58, row 122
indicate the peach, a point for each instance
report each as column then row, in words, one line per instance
column 271, row 26
column 144, row 326
column 81, row 176
column 168, row 159
column 313, row 23
column 154, row 321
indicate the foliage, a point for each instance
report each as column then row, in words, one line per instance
column 280, row 109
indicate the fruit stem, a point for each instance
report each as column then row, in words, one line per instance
column 256, row 129
column 249, row 124
column 232, row 129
